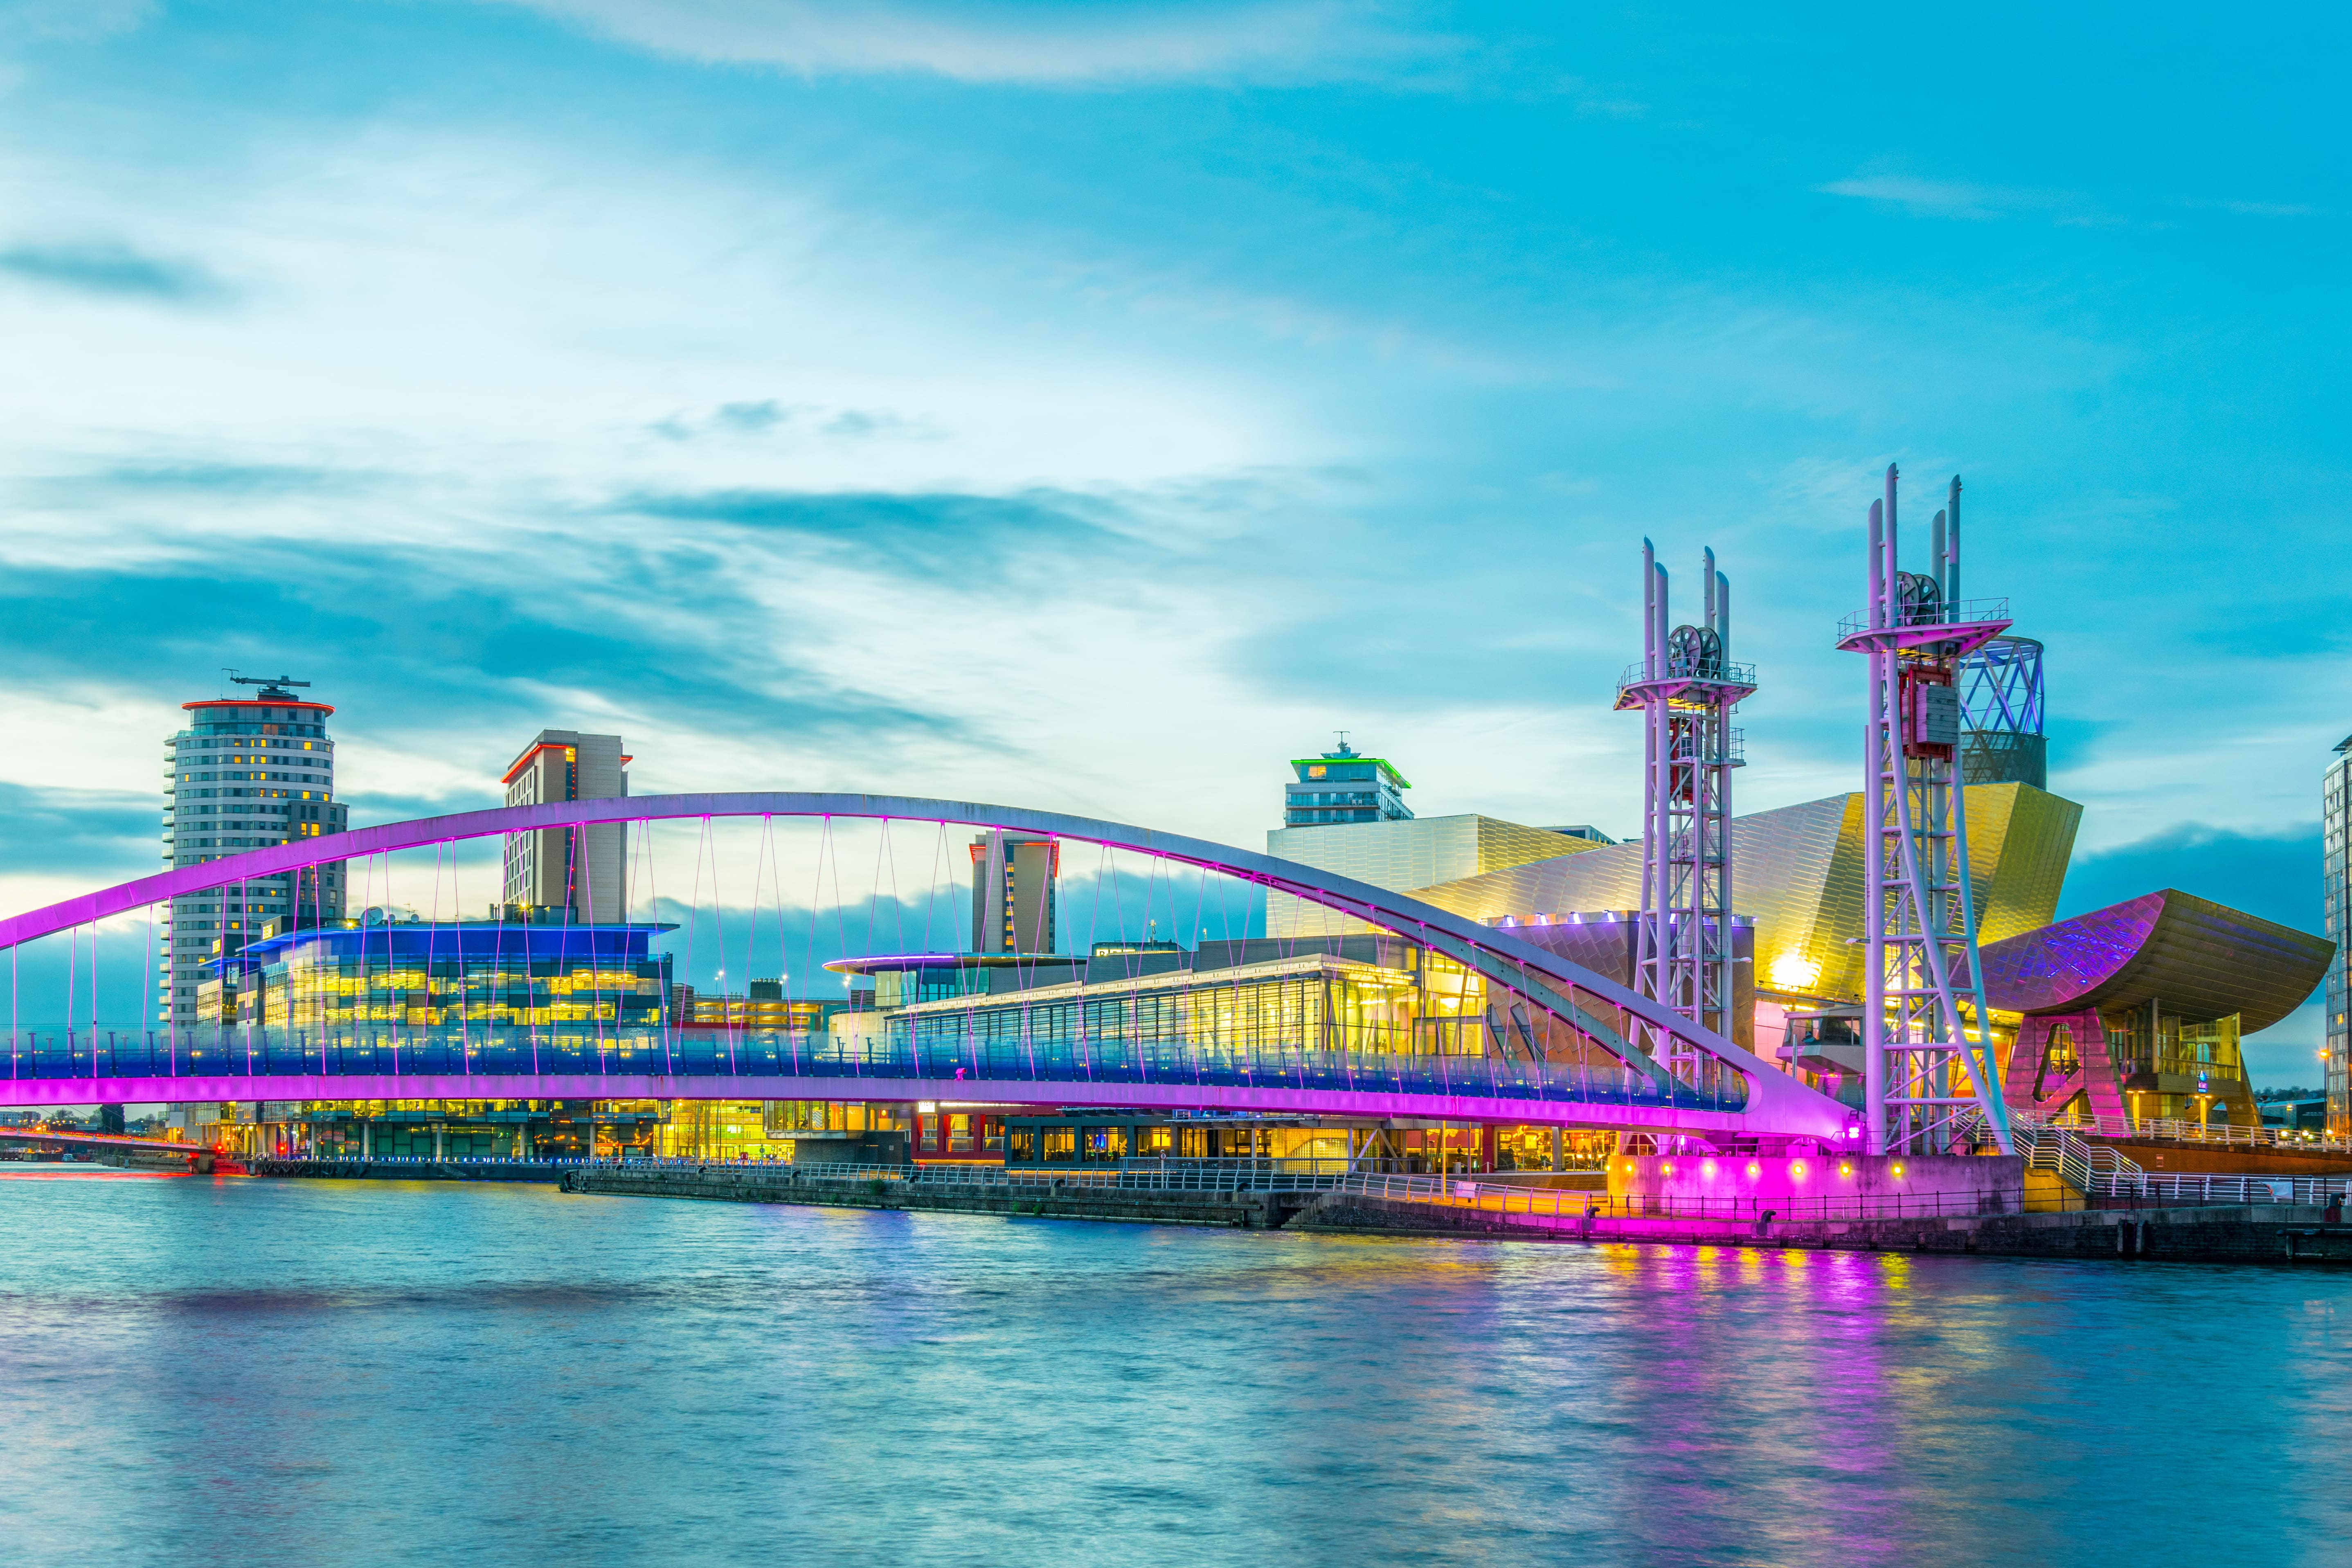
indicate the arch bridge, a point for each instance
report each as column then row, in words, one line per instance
column 1578, row 1066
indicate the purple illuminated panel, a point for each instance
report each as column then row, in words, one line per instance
column 2195, row 958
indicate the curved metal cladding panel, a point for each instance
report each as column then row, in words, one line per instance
column 1799, row 870
column 2020, row 841
column 2192, row 956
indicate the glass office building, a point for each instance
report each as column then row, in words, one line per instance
column 1343, row 786
column 1368, row 1010
column 341, row 979
column 2335, row 824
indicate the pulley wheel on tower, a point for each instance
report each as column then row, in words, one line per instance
column 1695, row 651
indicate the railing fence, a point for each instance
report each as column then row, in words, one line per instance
column 783, row 1056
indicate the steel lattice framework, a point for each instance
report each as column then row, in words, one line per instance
column 1924, row 1076
column 1685, row 688
column 2000, row 713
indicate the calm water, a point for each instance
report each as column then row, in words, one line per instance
column 316, row 1373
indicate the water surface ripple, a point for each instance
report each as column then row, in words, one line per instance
column 320, row 1372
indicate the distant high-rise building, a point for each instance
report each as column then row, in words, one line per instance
column 1013, row 892
column 2336, row 812
column 247, row 772
column 1343, row 786
column 583, row 870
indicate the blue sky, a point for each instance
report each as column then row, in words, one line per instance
column 1091, row 406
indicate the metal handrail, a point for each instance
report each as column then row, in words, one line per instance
column 1960, row 612
column 2048, row 1146
column 2174, row 1129
column 1206, row 1175
column 779, row 1057
column 2189, row 1189
column 1725, row 673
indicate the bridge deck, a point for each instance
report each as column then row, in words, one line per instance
column 274, row 1064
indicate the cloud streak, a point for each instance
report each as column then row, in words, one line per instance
column 1098, row 44
column 1945, row 198
column 113, row 271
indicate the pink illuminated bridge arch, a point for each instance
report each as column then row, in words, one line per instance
column 1775, row 1102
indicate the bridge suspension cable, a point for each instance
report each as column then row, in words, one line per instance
column 1522, row 984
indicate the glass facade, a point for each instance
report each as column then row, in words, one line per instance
column 1319, row 1003
column 2335, row 820
column 2182, row 1070
column 764, row 1007
column 728, row 1130
column 1418, row 1021
column 445, row 1128
column 954, row 1132
column 345, row 979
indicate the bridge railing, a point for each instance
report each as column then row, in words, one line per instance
column 1564, row 1205
column 1140, row 1175
column 771, row 1056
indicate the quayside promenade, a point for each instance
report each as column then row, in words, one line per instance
column 2219, row 1220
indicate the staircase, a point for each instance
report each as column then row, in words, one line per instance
column 2088, row 1167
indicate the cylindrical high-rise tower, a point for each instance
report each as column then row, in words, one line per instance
column 245, row 774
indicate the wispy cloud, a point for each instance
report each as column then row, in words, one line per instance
column 71, row 21
column 1074, row 46
column 114, row 270
column 741, row 418
column 767, row 417
column 88, row 832
column 1947, row 198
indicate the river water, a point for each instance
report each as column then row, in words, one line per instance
column 277, row 1372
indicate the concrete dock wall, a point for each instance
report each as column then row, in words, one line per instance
column 2268, row 1233
column 548, row 1172
column 2279, row 1233
column 1056, row 1200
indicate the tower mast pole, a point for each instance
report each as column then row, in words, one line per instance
column 1922, row 1074
column 1685, row 688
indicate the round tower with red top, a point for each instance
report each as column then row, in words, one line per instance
column 246, row 772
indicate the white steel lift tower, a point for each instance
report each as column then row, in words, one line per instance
column 1927, row 1083
column 1685, row 688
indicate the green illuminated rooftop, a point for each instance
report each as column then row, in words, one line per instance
column 1351, row 760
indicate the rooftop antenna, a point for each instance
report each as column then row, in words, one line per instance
column 272, row 686
column 1343, row 751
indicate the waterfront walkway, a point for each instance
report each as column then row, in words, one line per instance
column 2228, row 1228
